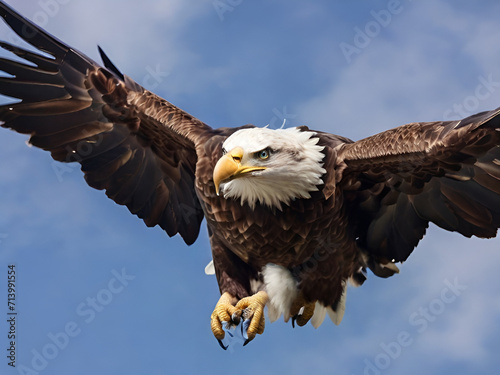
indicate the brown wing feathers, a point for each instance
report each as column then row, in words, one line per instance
column 447, row 173
column 79, row 111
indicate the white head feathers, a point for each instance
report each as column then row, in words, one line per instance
column 293, row 167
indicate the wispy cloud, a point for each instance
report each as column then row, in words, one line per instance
column 396, row 81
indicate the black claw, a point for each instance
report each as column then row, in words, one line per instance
column 222, row 345
column 293, row 321
column 236, row 318
column 246, row 341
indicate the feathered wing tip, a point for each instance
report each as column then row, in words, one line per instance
column 31, row 33
column 82, row 112
column 447, row 173
column 109, row 64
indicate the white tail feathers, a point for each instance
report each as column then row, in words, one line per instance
column 336, row 316
column 319, row 315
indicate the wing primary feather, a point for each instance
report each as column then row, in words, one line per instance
column 109, row 64
column 141, row 151
column 32, row 33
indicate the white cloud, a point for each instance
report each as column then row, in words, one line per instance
column 407, row 72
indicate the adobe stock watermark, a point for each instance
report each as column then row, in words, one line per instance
column 224, row 6
column 280, row 118
column 87, row 312
column 77, row 153
column 154, row 77
column 46, row 10
column 484, row 89
column 312, row 264
column 418, row 322
column 363, row 36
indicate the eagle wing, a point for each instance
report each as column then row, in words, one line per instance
column 136, row 146
column 398, row 181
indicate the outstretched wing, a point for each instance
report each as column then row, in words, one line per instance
column 138, row 147
column 398, row 181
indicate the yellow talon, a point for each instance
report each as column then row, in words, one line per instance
column 307, row 314
column 253, row 310
column 223, row 312
column 227, row 311
column 302, row 311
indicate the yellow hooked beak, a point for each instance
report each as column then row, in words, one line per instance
column 229, row 167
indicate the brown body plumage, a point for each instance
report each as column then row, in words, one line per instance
column 372, row 207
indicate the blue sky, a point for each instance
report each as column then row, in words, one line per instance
column 350, row 68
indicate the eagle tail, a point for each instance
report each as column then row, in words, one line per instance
column 335, row 311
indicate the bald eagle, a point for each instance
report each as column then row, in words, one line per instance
column 293, row 215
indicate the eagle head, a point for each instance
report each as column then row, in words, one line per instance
column 269, row 166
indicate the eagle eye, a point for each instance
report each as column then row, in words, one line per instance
column 264, row 154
